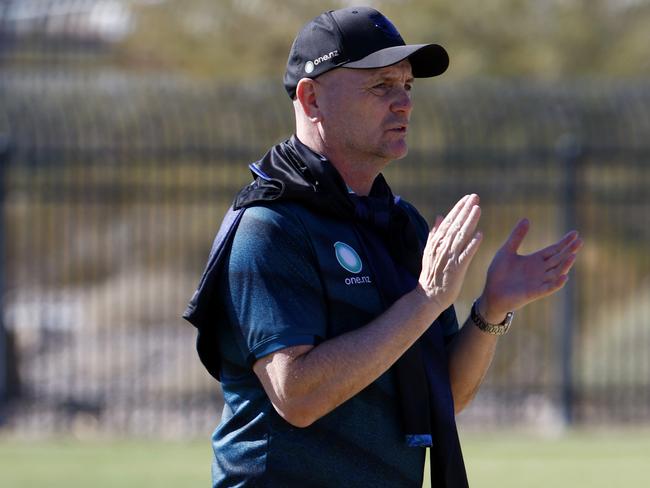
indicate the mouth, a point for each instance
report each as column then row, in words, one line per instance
column 399, row 129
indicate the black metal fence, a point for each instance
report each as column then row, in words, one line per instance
column 112, row 185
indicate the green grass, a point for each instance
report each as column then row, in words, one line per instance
column 592, row 460
column 125, row 464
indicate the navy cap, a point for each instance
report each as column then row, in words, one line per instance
column 356, row 37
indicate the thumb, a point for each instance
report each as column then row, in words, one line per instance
column 517, row 235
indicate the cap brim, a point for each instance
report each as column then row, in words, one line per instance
column 426, row 59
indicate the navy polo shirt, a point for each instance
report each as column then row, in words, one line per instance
column 295, row 278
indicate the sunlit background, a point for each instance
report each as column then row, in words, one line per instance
column 126, row 128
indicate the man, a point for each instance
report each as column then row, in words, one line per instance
column 326, row 309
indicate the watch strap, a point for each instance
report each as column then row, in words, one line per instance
column 485, row 326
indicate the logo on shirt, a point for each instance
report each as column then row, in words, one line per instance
column 347, row 257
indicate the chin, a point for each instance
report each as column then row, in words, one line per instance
column 398, row 151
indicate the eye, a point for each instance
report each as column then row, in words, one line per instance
column 380, row 88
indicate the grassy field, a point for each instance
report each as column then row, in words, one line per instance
column 592, row 460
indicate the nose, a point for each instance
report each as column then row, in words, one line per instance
column 402, row 102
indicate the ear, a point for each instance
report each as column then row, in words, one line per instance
column 307, row 96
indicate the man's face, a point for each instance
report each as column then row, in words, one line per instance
column 365, row 112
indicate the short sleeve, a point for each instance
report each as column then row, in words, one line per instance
column 272, row 289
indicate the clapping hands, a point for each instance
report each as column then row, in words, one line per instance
column 513, row 280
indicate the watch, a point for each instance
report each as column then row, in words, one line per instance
column 485, row 326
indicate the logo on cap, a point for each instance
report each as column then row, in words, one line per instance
column 310, row 65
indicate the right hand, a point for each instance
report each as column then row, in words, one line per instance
column 451, row 246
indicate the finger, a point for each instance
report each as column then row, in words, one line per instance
column 456, row 210
column 570, row 240
column 465, row 212
column 549, row 251
column 561, row 269
column 455, row 227
column 466, row 232
column 517, row 235
column 566, row 266
column 454, row 238
column 449, row 220
column 558, row 258
column 449, row 228
column 470, row 251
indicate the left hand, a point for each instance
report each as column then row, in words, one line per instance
column 514, row 280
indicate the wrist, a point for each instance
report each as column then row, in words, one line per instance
column 425, row 302
column 489, row 313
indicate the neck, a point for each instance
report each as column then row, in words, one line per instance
column 358, row 180
column 358, row 173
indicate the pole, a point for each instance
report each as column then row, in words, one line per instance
column 570, row 154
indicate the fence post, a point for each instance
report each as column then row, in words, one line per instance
column 570, row 153
column 4, row 345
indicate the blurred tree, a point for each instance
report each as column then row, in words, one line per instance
column 542, row 38
column 226, row 39
column 231, row 39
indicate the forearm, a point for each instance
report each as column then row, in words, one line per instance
column 304, row 387
column 470, row 356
